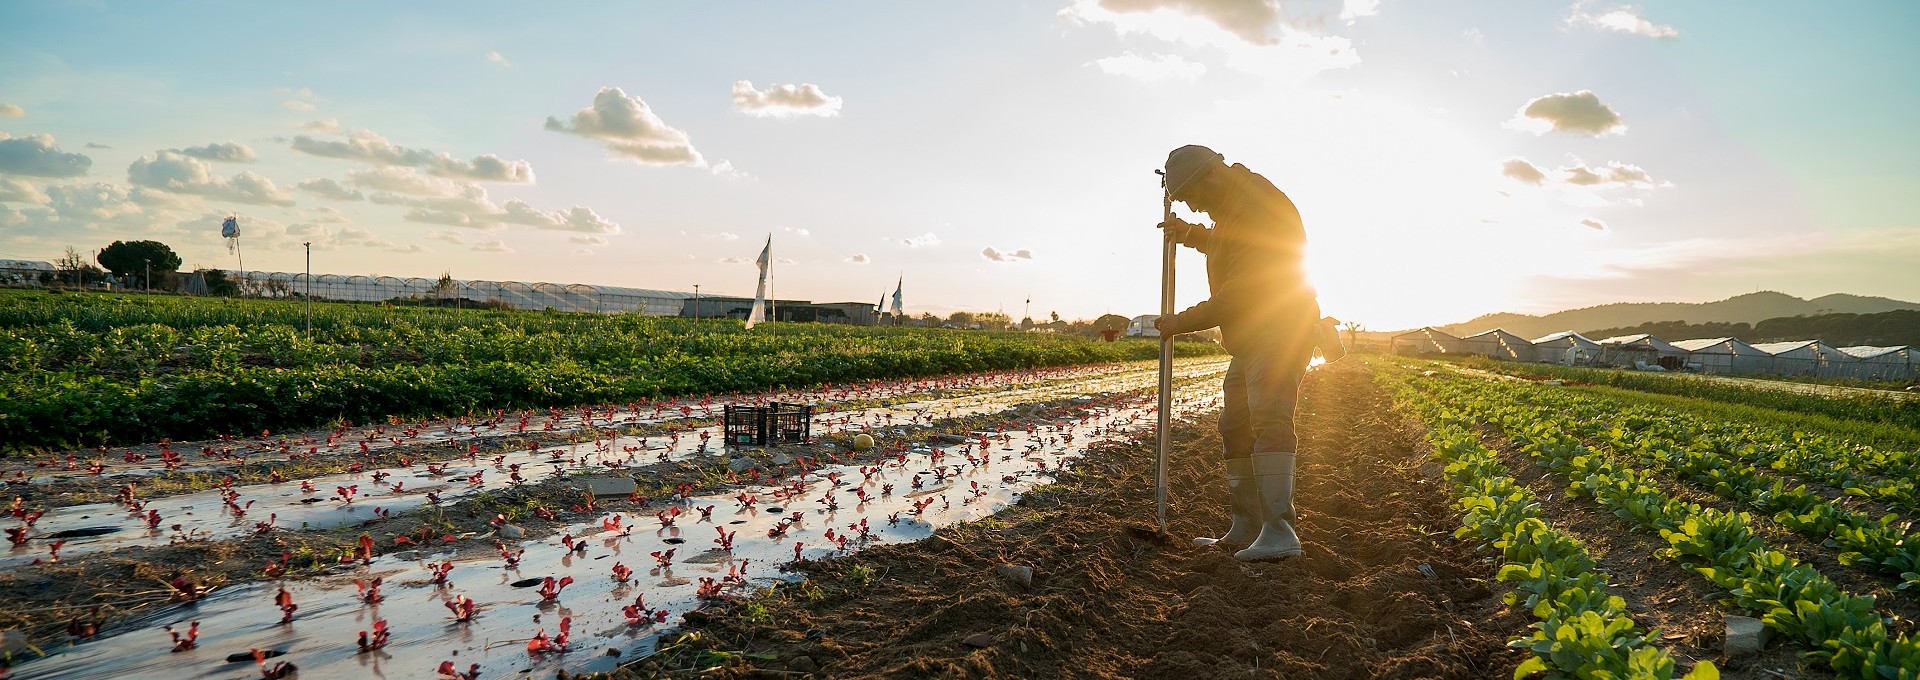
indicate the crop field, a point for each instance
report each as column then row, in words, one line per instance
column 93, row 370
column 1457, row 522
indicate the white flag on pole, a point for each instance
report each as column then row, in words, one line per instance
column 759, row 312
column 896, row 295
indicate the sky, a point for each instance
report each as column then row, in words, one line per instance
column 1449, row 158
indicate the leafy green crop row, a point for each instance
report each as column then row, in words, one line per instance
column 1843, row 629
column 1583, row 631
column 102, row 370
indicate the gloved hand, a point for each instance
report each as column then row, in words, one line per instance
column 1168, row 324
column 1178, row 228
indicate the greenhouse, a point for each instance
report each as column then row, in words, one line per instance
column 574, row 297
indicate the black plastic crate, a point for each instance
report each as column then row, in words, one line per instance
column 775, row 423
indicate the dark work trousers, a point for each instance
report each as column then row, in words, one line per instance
column 1261, row 389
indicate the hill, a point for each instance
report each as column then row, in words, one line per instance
column 1751, row 309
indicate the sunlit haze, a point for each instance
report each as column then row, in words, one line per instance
column 1449, row 159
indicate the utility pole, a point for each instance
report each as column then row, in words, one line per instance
column 696, row 302
column 308, row 245
column 146, row 282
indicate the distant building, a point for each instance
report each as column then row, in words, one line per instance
column 23, row 272
column 1427, row 340
column 723, row 307
column 1565, row 347
column 1498, row 344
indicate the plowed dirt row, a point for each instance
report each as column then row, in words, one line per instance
column 1382, row 592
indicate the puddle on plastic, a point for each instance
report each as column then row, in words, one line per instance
column 321, row 640
column 357, row 498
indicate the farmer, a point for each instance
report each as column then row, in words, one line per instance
column 1269, row 321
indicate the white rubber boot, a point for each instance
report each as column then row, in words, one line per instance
column 1243, row 495
column 1273, row 475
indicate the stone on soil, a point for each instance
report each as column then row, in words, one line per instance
column 609, row 486
column 510, row 531
column 1016, row 573
column 741, row 464
column 1745, row 636
column 979, row 641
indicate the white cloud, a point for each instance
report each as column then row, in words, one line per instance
column 629, row 129
column 326, row 126
column 367, row 147
column 1005, row 256
column 179, row 173
column 578, row 218
column 1594, row 224
column 797, row 232
column 301, row 99
column 1521, row 170
column 781, row 101
column 1624, row 19
column 724, row 169
column 1152, row 67
column 732, row 259
column 327, row 188
column 404, row 180
column 230, row 152
column 494, row 246
column 588, row 240
column 1262, row 37
column 36, row 156
column 12, row 111
column 927, row 239
column 859, row 258
column 1355, row 9
column 1473, row 35
column 1579, row 112
column 784, row 260
column 1613, row 173
column 17, row 191
column 495, row 58
column 725, row 236
column 448, row 236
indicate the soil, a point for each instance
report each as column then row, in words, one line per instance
column 1383, row 591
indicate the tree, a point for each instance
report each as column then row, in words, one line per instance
column 1112, row 322
column 137, row 258
column 995, row 321
column 75, row 269
column 1055, row 315
column 217, row 282
column 960, row 319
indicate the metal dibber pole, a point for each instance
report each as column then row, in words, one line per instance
column 1167, row 252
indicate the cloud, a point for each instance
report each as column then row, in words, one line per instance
column 404, row 180
column 1263, row 37
column 1594, row 224
column 1005, row 256
column 182, row 174
column 725, row 236
column 797, row 232
column 578, row 218
column 230, row 152
column 495, row 58
column 726, row 170
column 732, row 259
column 301, row 99
column 1579, row 112
column 327, row 188
column 36, row 156
column 17, row 191
column 629, row 129
column 12, row 111
column 784, row 260
column 326, row 126
column 588, row 240
column 1521, row 170
column 1613, row 173
column 92, row 145
column 1152, row 67
column 859, row 258
column 367, row 147
column 782, row 101
column 1624, row 18
column 927, row 239
column 494, row 246
column 1355, row 9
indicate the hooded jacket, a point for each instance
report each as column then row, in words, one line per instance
column 1256, row 274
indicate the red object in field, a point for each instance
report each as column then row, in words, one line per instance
column 1109, row 334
